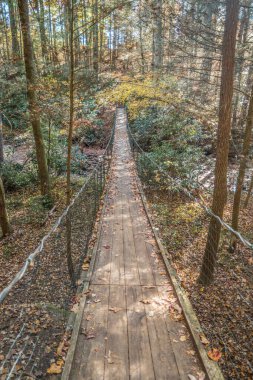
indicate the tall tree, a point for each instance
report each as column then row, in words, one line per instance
column 1, row 141
column 39, row 5
column 14, row 31
column 242, row 169
column 224, row 129
column 158, row 35
column 71, row 14
column 32, row 96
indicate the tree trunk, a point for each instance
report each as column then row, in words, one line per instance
column 14, row 32
column 141, row 41
column 32, row 97
column 4, row 220
column 158, row 35
column 39, row 5
column 1, row 141
column 249, row 193
column 224, row 129
column 70, row 133
column 242, row 169
column 95, row 38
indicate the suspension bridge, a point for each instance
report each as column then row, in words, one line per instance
column 130, row 319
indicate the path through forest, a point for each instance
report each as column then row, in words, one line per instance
column 132, row 325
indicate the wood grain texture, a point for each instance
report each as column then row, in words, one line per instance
column 128, row 329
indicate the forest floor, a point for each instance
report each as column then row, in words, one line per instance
column 223, row 307
column 31, row 215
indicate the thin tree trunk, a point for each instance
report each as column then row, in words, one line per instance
column 32, row 97
column 249, row 193
column 70, row 134
column 41, row 20
column 224, row 129
column 242, row 169
column 158, row 35
column 95, row 39
column 141, row 41
column 14, row 33
column 1, row 141
column 4, row 220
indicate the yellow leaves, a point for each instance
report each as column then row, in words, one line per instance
column 56, row 368
column 214, row 354
column 140, row 93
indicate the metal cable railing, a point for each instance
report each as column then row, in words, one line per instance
column 35, row 306
column 228, row 324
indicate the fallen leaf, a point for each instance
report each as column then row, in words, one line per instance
column 54, row 369
column 85, row 266
column 214, row 354
column 177, row 308
column 75, row 308
column 191, row 377
column 1, row 357
column 145, row 301
column 191, row 352
column 183, row 338
column 203, row 339
column 115, row 309
column 60, row 348
column 109, row 358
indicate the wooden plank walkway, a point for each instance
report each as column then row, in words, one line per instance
column 132, row 326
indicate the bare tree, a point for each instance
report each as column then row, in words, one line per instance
column 224, row 129
column 32, row 96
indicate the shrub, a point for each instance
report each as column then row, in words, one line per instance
column 171, row 142
column 16, row 176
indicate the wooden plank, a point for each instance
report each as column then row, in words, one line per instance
column 117, row 256
column 158, row 268
column 165, row 365
column 212, row 369
column 185, row 354
column 130, row 259
column 116, row 363
column 140, row 358
column 143, row 257
column 89, row 359
column 102, row 271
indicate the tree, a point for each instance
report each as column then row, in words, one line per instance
column 70, row 133
column 158, row 35
column 39, row 5
column 1, row 141
column 242, row 168
column 224, row 129
column 14, row 33
column 4, row 220
column 32, row 96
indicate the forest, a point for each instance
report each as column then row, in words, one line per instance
column 182, row 71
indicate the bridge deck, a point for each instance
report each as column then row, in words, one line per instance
column 132, row 326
